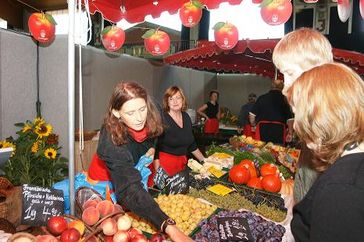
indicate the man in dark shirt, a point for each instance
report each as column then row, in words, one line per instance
column 245, row 109
column 272, row 106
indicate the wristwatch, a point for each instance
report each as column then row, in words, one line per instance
column 167, row 222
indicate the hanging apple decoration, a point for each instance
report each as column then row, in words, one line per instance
column 156, row 42
column 112, row 38
column 276, row 12
column 190, row 13
column 361, row 7
column 344, row 9
column 42, row 27
column 226, row 35
column 257, row 1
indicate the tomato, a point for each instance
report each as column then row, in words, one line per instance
column 113, row 38
column 250, row 166
column 226, row 35
column 156, row 42
column 190, row 14
column 239, row 174
column 361, row 6
column 271, row 183
column 42, row 27
column 255, row 182
column 268, row 169
column 277, row 12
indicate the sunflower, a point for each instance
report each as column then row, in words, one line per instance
column 38, row 121
column 50, row 153
column 26, row 128
column 43, row 130
column 35, row 147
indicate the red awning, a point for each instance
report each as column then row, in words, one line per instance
column 136, row 10
column 248, row 56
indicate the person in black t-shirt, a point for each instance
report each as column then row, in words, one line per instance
column 129, row 132
column 177, row 139
column 328, row 102
column 211, row 112
column 272, row 106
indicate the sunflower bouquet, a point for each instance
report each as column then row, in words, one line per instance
column 36, row 159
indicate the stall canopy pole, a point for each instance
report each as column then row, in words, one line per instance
column 71, row 100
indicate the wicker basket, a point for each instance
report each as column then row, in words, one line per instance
column 5, row 190
column 84, row 194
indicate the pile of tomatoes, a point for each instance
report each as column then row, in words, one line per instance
column 246, row 173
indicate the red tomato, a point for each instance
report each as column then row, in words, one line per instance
column 157, row 43
column 268, row 169
column 239, row 174
column 41, row 28
column 226, row 35
column 190, row 14
column 250, row 166
column 255, row 182
column 277, row 12
column 361, row 7
column 271, row 183
column 113, row 38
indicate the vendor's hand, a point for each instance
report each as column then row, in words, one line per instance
column 177, row 235
column 150, row 152
column 156, row 164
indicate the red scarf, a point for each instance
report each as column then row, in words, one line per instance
column 139, row 136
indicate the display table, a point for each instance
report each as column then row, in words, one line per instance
column 83, row 159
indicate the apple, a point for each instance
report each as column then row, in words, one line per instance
column 42, row 27
column 77, row 224
column 134, row 232
column 46, row 238
column 257, row 1
column 190, row 13
column 56, row 225
column 156, row 42
column 121, row 236
column 109, row 227
column 276, row 12
column 158, row 237
column 226, row 35
column 70, row 235
column 139, row 238
column 112, row 38
column 124, row 222
column 344, row 10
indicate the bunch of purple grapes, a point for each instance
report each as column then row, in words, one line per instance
column 261, row 229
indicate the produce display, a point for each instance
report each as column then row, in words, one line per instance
column 219, row 160
column 236, row 201
column 261, row 229
column 187, row 211
column 288, row 157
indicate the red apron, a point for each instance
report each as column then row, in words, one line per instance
column 211, row 126
column 98, row 170
column 248, row 132
column 172, row 164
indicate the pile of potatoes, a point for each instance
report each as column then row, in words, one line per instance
column 185, row 210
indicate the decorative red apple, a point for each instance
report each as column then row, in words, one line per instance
column 112, row 38
column 361, row 7
column 70, row 235
column 56, row 225
column 226, row 35
column 344, row 9
column 190, row 13
column 276, row 12
column 257, row 1
column 156, row 42
column 42, row 27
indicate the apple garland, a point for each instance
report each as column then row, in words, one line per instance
column 156, row 42
column 112, row 38
column 190, row 13
column 42, row 27
column 344, row 9
column 226, row 35
column 276, row 12
column 361, row 7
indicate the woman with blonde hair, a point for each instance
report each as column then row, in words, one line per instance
column 328, row 102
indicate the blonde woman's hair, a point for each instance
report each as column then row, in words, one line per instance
column 328, row 101
column 304, row 47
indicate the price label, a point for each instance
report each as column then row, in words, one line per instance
column 234, row 229
column 216, row 172
column 220, row 190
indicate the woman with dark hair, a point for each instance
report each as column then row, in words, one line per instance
column 211, row 112
column 177, row 140
column 130, row 128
